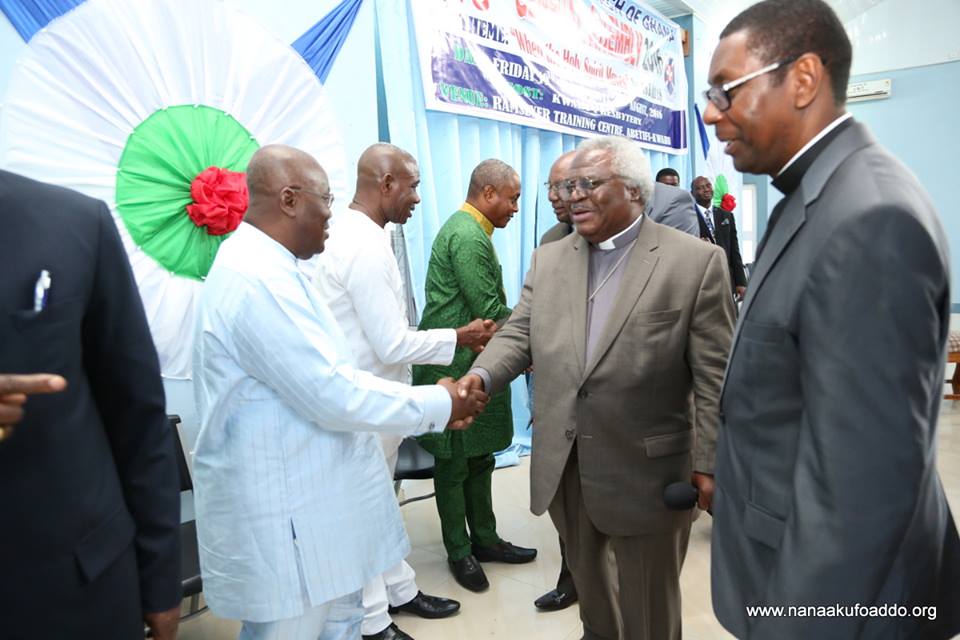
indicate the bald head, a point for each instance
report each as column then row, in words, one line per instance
column 289, row 198
column 387, row 181
column 379, row 160
column 276, row 166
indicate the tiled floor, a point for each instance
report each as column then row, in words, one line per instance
column 506, row 610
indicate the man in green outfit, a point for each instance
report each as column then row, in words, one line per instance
column 464, row 281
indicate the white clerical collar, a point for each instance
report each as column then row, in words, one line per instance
column 611, row 243
column 827, row 129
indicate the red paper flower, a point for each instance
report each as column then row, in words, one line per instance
column 728, row 202
column 219, row 200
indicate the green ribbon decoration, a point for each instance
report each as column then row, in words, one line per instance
column 159, row 162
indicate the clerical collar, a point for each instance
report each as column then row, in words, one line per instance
column 789, row 177
column 479, row 217
column 623, row 238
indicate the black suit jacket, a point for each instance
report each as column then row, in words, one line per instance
column 90, row 507
column 725, row 235
column 826, row 483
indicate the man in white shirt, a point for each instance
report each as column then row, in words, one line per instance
column 294, row 506
column 359, row 279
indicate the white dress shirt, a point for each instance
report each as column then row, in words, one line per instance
column 360, row 281
column 290, row 487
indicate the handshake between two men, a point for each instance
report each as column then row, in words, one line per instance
column 468, row 403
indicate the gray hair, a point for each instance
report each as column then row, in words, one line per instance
column 627, row 159
column 493, row 172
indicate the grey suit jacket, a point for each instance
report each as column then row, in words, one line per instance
column 675, row 208
column 827, row 491
column 629, row 409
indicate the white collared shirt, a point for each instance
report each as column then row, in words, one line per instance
column 360, row 281
column 827, row 129
column 288, row 481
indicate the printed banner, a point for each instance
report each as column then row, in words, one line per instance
column 586, row 67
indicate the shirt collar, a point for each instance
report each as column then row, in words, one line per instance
column 788, row 178
column 479, row 217
column 262, row 242
column 623, row 238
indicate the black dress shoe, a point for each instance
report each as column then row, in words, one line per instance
column 430, row 607
column 504, row 552
column 392, row 632
column 555, row 600
column 469, row 574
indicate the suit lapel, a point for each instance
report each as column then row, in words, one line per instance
column 788, row 224
column 637, row 273
column 574, row 271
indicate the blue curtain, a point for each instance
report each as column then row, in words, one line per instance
column 29, row 16
column 321, row 43
column 448, row 147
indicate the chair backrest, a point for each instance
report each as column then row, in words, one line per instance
column 413, row 461
column 186, row 482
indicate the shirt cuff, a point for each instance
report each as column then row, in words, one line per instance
column 484, row 375
column 437, row 407
column 447, row 339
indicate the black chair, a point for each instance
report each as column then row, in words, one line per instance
column 189, row 555
column 413, row 463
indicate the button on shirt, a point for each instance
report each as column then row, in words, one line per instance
column 359, row 279
column 288, row 482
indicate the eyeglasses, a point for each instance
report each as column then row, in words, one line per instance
column 326, row 198
column 553, row 188
column 720, row 96
column 585, row 185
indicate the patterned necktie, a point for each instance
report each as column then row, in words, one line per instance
column 707, row 215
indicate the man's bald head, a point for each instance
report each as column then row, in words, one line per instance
column 276, row 166
column 381, row 159
column 289, row 198
column 387, row 181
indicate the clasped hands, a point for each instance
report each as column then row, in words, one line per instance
column 476, row 334
column 469, row 400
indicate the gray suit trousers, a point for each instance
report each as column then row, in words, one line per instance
column 629, row 586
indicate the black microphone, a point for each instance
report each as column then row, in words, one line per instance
column 680, row 496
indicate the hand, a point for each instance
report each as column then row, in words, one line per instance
column 163, row 624
column 704, row 484
column 15, row 388
column 739, row 292
column 476, row 334
column 468, row 403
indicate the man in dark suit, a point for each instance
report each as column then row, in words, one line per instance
column 827, row 493
column 89, row 546
column 719, row 227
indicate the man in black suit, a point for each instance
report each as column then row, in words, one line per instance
column 827, row 496
column 719, row 227
column 89, row 545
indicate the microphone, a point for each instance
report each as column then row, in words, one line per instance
column 680, row 496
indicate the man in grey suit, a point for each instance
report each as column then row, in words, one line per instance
column 675, row 208
column 628, row 323
column 827, row 493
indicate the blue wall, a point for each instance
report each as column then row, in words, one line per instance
column 918, row 124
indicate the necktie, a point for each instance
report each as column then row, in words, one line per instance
column 707, row 215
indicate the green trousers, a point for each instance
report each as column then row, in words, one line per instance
column 464, row 498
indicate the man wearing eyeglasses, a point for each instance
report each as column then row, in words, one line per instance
column 628, row 324
column 295, row 508
column 827, row 493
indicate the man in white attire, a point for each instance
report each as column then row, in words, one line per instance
column 359, row 279
column 295, row 512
